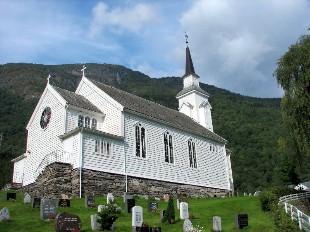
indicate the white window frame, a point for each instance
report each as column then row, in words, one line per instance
column 192, row 153
column 141, row 142
column 169, row 135
column 101, row 147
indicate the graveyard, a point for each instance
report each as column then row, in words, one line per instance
column 201, row 210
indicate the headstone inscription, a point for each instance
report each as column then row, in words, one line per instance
column 217, row 224
column 36, row 202
column 241, row 221
column 137, row 216
column 10, row 196
column 184, row 210
column 48, row 209
column 4, row 214
column 89, row 201
column 110, row 198
column 66, row 222
column 64, row 203
column 187, row 226
column 27, row 198
column 94, row 222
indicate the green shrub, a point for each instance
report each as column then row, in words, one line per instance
column 283, row 222
column 107, row 216
column 268, row 199
column 170, row 214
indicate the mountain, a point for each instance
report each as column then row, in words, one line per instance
column 251, row 125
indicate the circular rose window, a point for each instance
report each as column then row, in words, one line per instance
column 45, row 117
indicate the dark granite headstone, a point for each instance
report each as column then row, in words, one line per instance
column 64, row 203
column 146, row 229
column 153, row 206
column 129, row 204
column 10, row 196
column 66, row 222
column 48, row 209
column 89, row 201
column 36, row 202
column 241, row 221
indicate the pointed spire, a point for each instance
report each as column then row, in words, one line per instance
column 189, row 67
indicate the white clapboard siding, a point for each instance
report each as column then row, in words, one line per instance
column 18, row 173
column 71, row 145
column 211, row 168
column 113, row 163
column 112, row 121
column 43, row 141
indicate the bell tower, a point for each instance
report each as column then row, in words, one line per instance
column 193, row 101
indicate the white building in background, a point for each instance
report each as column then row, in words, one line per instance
column 104, row 129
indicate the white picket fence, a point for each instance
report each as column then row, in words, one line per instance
column 53, row 157
column 297, row 215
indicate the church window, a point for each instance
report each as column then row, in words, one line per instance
column 87, row 122
column 97, row 146
column 81, row 121
column 140, row 141
column 94, row 123
column 192, row 154
column 102, row 147
column 168, row 148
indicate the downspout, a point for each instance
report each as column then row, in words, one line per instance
column 81, row 160
column 125, row 153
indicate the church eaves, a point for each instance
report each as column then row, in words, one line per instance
column 156, row 112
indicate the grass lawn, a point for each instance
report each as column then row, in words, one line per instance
column 26, row 219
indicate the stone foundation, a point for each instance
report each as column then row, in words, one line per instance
column 60, row 178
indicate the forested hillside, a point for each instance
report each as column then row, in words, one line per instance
column 251, row 125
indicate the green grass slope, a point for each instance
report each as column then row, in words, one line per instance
column 26, row 219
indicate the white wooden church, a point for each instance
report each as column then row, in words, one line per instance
column 101, row 129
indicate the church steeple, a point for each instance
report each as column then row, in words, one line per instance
column 189, row 67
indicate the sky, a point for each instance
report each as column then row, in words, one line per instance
column 235, row 44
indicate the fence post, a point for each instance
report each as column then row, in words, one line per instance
column 285, row 205
column 292, row 212
column 299, row 220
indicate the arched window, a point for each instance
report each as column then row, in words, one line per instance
column 140, row 141
column 94, row 123
column 192, row 154
column 87, row 122
column 168, row 148
column 81, row 121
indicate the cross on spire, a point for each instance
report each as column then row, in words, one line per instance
column 83, row 70
column 186, row 38
column 48, row 78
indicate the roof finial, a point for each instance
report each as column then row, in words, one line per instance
column 48, row 78
column 83, row 70
column 186, row 38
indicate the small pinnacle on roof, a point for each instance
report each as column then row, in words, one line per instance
column 186, row 38
column 83, row 70
column 48, row 78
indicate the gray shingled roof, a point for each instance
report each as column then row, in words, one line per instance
column 148, row 109
column 191, row 88
column 76, row 100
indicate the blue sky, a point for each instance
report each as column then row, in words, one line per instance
column 235, row 44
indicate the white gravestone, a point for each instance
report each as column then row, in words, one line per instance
column 217, row 224
column 94, row 223
column 101, row 207
column 110, row 198
column 184, row 210
column 27, row 198
column 256, row 194
column 178, row 203
column 4, row 214
column 137, row 216
column 187, row 226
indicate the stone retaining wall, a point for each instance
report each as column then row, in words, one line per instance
column 60, row 178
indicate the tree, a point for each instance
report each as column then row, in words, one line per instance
column 293, row 74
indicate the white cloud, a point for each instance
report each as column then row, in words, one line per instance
column 132, row 19
column 236, row 44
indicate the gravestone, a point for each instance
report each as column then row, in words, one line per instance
column 184, row 210
column 27, row 198
column 217, row 224
column 94, row 223
column 10, row 196
column 4, row 214
column 89, row 201
column 130, row 202
column 257, row 193
column 137, row 216
column 178, row 203
column 166, row 197
column 157, row 199
column 127, row 196
column 64, row 203
column 66, row 222
column 35, row 202
column 187, row 226
column 48, row 209
column 64, row 196
column 250, row 194
column 241, row 221
column 110, row 198
column 153, row 206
